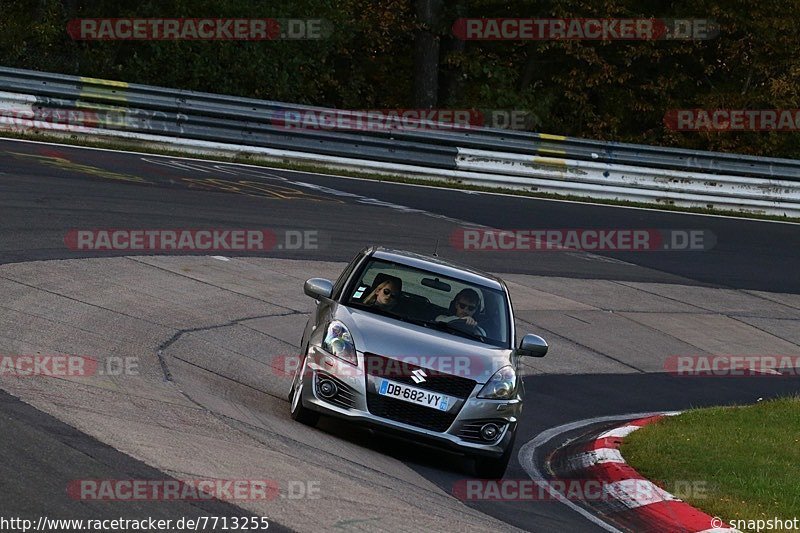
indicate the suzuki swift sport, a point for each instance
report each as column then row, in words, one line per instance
column 418, row 346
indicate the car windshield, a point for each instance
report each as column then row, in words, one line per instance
column 432, row 300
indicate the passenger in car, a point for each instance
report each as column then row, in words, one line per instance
column 463, row 307
column 386, row 293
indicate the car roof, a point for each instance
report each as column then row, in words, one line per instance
column 438, row 265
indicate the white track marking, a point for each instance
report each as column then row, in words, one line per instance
column 528, row 452
column 619, row 432
column 743, row 217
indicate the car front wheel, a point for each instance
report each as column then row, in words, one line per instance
column 494, row 467
column 297, row 410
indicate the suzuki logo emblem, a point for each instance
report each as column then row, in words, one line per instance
column 418, row 376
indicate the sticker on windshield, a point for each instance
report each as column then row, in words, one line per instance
column 360, row 291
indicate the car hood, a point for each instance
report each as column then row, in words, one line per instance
column 421, row 346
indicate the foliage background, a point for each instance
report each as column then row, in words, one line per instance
column 604, row 90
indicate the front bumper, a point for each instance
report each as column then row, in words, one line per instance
column 468, row 413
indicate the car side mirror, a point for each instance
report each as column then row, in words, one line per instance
column 318, row 288
column 532, row 346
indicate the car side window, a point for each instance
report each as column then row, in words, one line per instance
column 340, row 283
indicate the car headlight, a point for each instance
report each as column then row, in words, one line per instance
column 339, row 343
column 502, row 386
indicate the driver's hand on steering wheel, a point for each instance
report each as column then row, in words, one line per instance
column 470, row 321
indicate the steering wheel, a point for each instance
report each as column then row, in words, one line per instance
column 461, row 323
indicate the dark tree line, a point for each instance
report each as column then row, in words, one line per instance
column 402, row 53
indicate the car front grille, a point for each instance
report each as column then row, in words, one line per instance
column 400, row 371
column 409, row 413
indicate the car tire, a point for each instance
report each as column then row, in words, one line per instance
column 494, row 467
column 298, row 411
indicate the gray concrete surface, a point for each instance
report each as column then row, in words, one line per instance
column 226, row 325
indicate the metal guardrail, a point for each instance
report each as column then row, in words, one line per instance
column 31, row 100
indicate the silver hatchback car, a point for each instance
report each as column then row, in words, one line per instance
column 416, row 346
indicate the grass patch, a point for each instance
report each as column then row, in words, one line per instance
column 147, row 147
column 742, row 462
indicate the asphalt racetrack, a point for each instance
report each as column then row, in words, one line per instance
column 209, row 334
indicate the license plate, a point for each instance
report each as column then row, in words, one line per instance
column 400, row 391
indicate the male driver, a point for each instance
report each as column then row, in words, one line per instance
column 462, row 308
